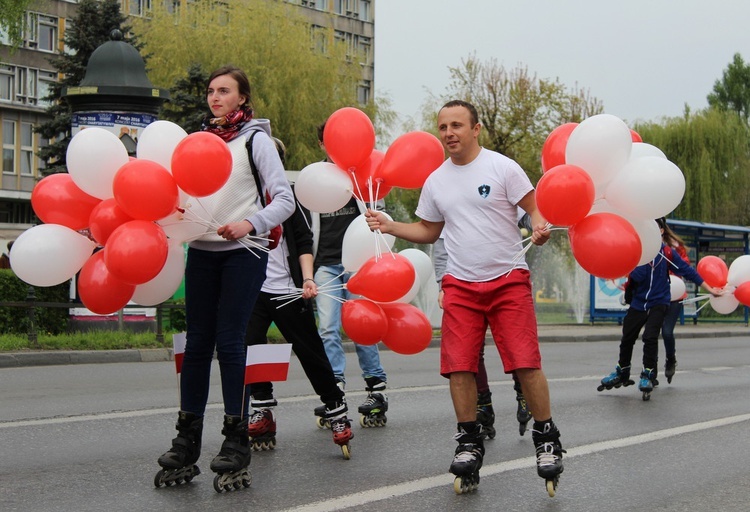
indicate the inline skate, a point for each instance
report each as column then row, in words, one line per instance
column 231, row 464
column 647, row 383
column 619, row 377
column 523, row 415
column 468, row 457
column 670, row 367
column 549, row 452
column 340, row 425
column 320, row 411
column 262, row 430
column 486, row 414
column 373, row 409
column 178, row 464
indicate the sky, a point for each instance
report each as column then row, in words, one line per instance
column 644, row 59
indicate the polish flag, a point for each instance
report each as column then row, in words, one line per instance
column 267, row 362
column 178, row 342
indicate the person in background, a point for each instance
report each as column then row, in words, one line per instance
column 328, row 233
column 648, row 307
column 676, row 244
column 472, row 198
column 5, row 258
column 223, row 278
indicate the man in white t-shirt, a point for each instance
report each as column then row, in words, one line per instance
column 473, row 198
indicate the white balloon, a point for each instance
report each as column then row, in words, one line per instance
column 93, row 157
column 739, row 270
column 163, row 286
column 724, row 304
column 360, row 244
column 676, row 287
column 647, row 229
column 323, row 187
column 422, row 263
column 49, row 254
column 641, row 149
column 649, row 187
column 600, row 145
column 186, row 225
column 158, row 140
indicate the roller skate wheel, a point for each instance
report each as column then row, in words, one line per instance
column 601, row 387
column 521, row 428
column 218, row 484
column 346, row 451
column 646, row 396
column 551, row 487
column 320, row 422
column 159, row 478
column 457, row 485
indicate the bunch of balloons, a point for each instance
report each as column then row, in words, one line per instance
column 607, row 186
column 734, row 280
column 358, row 169
column 119, row 220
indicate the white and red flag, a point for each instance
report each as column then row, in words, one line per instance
column 178, row 344
column 267, row 362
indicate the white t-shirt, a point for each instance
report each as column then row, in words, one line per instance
column 477, row 202
column 278, row 275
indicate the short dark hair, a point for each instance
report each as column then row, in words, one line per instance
column 473, row 116
column 321, row 129
column 243, row 83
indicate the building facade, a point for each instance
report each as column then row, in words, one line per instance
column 26, row 75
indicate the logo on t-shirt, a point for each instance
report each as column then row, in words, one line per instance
column 484, row 190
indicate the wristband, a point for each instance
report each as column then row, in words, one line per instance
column 308, row 279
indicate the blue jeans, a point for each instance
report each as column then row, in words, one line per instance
column 667, row 329
column 220, row 292
column 329, row 327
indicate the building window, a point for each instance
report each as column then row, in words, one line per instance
column 365, row 14
column 365, row 51
column 46, row 80
column 321, row 5
column 26, row 85
column 7, row 80
column 9, row 147
column 139, row 7
column 27, row 149
column 319, row 38
column 338, row 6
column 363, row 92
column 41, row 32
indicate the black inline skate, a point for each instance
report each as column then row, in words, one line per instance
column 523, row 415
column 549, row 452
column 670, row 368
column 335, row 415
column 375, row 405
column 486, row 414
column 468, row 457
column 647, row 383
column 320, row 411
column 179, row 462
column 619, row 377
column 231, row 464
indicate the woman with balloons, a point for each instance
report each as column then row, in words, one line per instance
column 473, row 198
column 223, row 275
column 648, row 307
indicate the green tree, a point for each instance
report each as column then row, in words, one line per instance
column 712, row 148
column 12, row 19
column 187, row 104
column 516, row 108
column 294, row 84
column 732, row 92
column 89, row 28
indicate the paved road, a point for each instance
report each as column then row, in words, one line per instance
column 86, row 437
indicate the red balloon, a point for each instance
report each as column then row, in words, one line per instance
column 742, row 293
column 105, row 218
column 635, row 137
column 57, row 200
column 383, row 280
column 713, row 270
column 349, row 137
column 565, row 194
column 410, row 159
column 136, row 251
column 605, row 245
column 363, row 321
column 409, row 330
column 201, row 164
column 100, row 291
column 553, row 150
column 363, row 176
column 145, row 190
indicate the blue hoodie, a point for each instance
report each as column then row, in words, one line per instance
column 651, row 280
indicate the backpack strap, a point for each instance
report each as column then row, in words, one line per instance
column 249, row 146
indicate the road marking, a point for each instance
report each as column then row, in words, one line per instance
column 423, row 484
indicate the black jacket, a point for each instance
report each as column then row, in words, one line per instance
column 299, row 239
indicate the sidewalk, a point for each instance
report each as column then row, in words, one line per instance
column 547, row 334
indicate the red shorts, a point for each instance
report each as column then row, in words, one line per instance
column 505, row 305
